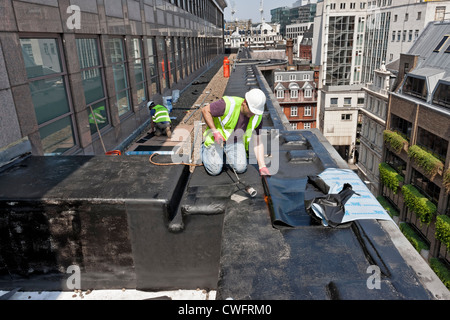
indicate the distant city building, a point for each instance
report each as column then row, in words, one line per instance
column 392, row 29
column 300, row 13
column 256, row 36
column 339, row 41
column 372, row 126
column 282, row 17
column 303, row 13
column 296, row 33
column 352, row 39
column 339, row 116
column 337, row 26
column 305, row 45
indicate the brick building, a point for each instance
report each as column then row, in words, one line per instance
column 419, row 119
column 296, row 92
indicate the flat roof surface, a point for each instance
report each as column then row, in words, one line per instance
column 257, row 260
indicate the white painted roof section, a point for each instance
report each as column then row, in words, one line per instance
column 114, row 295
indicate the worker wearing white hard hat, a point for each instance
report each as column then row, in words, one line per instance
column 232, row 123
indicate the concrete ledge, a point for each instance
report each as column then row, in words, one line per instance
column 424, row 273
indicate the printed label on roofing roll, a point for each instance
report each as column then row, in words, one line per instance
column 363, row 204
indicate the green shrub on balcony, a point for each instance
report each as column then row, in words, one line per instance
column 418, row 203
column 429, row 163
column 413, row 237
column 443, row 230
column 447, row 180
column 441, row 271
column 389, row 177
column 388, row 207
column 395, row 140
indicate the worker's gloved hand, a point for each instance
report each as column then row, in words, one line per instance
column 264, row 171
column 218, row 137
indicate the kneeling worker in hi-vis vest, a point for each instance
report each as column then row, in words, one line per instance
column 160, row 119
column 231, row 123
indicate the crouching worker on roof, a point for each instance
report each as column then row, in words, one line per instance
column 160, row 119
column 231, row 123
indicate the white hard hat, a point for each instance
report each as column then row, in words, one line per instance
column 256, row 100
column 150, row 104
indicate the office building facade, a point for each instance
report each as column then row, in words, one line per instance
column 77, row 75
column 373, row 124
column 393, row 27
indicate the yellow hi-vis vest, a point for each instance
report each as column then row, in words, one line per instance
column 227, row 123
column 161, row 114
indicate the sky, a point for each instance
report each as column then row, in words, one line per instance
column 249, row 9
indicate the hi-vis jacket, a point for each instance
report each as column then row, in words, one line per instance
column 161, row 114
column 227, row 123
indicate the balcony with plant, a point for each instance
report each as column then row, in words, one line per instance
column 413, row 237
column 446, row 180
column 395, row 141
column 443, row 230
column 419, row 204
column 426, row 161
column 389, row 177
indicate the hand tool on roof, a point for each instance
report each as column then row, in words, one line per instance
column 249, row 189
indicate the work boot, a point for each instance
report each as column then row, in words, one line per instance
column 169, row 133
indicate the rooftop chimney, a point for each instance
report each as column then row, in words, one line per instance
column 290, row 51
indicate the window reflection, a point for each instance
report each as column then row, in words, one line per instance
column 49, row 99
column 49, row 93
column 57, row 137
column 41, row 57
column 153, row 67
column 120, row 75
column 92, row 77
column 97, row 116
column 138, row 69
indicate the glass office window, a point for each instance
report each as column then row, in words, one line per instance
column 171, row 59
column 119, row 65
column 442, row 94
column 183, row 56
column 341, row 38
column 188, row 55
column 426, row 186
column 162, row 61
column 92, row 85
column 49, row 92
column 436, row 145
column 138, row 68
column 401, row 126
column 57, row 137
column 92, row 76
column 153, row 66
column 49, row 99
column 416, row 87
column 41, row 57
column 177, row 51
